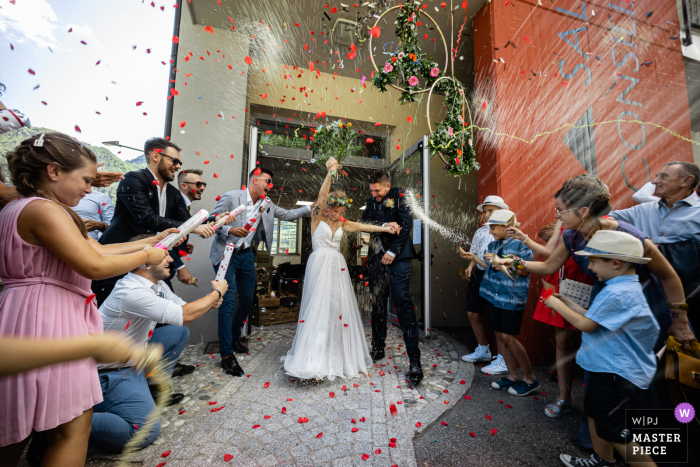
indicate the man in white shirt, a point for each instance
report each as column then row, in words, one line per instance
column 138, row 302
column 96, row 211
column 240, row 273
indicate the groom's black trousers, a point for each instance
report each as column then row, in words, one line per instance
column 396, row 279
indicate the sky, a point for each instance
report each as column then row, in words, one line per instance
column 71, row 82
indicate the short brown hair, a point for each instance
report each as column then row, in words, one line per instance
column 158, row 143
column 380, row 176
column 586, row 191
column 262, row 170
column 27, row 164
column 183, row 173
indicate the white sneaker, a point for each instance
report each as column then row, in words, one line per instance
column 498, row 366
column 481, row 354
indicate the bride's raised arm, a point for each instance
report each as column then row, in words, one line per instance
column 325, row 187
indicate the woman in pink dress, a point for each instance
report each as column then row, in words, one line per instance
column 47, row 261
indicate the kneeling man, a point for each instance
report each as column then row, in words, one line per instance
column 139, row 301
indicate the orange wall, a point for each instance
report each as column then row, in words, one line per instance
column 527, row 95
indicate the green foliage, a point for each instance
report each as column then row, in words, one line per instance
column 452, row 137
column 408, row 62
column 284, row 141
column 335, row 139
column 12, row 139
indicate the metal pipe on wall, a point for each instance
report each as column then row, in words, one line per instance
column 173, row 73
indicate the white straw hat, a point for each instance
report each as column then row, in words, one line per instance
column 502, row 217
column 493, row 201
column 615, row 245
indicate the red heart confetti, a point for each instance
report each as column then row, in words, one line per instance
column 362, row 419
column 392, row 445
column 331, row 395
column 419, row 424
column 227, row 457
column 378, row 451
column 493, row 431
column 284, row 409
column 365, row 457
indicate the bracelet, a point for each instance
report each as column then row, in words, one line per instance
column 527, row 237
column 518, row 262
column 149, row 256
column 678, row 306
column 217, row 291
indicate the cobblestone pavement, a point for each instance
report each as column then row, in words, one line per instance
column 258, row 423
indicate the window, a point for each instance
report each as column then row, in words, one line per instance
column 285, row 237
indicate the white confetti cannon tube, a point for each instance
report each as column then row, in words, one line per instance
column 235, row 213
column 251, row 222
column 185, row 229
column 221, row 274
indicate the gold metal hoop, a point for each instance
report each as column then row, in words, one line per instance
column 464, row 104
column 447, row 56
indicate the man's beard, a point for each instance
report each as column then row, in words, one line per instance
column 160, row 274
column 164, row 172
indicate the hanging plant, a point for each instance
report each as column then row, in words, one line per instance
column 408, row 62
column 453, row 140
column 336, row 139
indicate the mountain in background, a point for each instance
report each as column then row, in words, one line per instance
column 12, row 139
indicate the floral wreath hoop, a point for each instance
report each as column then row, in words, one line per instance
column 470, row 128
column 444, row 43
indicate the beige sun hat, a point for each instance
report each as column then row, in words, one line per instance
column 493, row 201
column 615, row 245
column 503, row 217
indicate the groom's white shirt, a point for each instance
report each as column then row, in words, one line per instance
column 251, row 209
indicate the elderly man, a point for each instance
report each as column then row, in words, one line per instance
column 138, row 302
column 673, row 224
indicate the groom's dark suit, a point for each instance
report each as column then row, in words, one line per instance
column 396, row 277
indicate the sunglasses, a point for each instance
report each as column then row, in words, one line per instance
column 268, row 180
column 175, row 160
column 557, row 212
column 197, row 184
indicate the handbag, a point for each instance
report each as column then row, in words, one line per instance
column 683, row 369
column 577, row 292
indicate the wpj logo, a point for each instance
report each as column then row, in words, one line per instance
column 659, row 433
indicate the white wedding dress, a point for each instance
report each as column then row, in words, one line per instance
column 330, row 340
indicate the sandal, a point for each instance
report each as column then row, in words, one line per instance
column 558, row 408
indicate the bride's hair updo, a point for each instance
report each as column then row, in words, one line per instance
column 335, row 194
column 586, row 191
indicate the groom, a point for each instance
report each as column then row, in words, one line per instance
column 390, row 269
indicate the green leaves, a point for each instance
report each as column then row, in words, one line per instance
column 335, row 139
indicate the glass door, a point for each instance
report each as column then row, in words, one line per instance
column 252, row 162
column 411, row 171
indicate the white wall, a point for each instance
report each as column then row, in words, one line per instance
column 221, row 90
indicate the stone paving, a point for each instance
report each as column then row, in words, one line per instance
column 349, row 421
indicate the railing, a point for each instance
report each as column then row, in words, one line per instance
column 691, row 19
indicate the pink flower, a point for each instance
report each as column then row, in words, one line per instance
column 450, row 131
column 434, row 72
column 401, row 54
column 388, row 67
column 412, row 81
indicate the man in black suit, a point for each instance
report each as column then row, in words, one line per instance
column 147, row 203
column 390, row 269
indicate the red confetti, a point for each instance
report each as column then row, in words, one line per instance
column 331, row 395
column 365, row 457
column 488, row 417
column 90, row 298
column 209, row 29
column 493, row 431
column 212, row 403
column 507, row 2
column 355, row 430
column 363, row 419
column 183, row 123
column 473, row 435
column 468, row 398
column 255, row 427
column 509, row 406
column 266, row 385
column 378, row 451
column 375, row 32
column 392, row 410
column 443, row 4
column 284, row 410
column 333, row 10
column 319, row 436
column 392, row 445
column 165, row 454
column 248, row 60
column 527, row 39
column 161, row 464
column 176, row 39
column 303, row 420
column 443, row 423
column 227, row 457
column 77, row 128
column 419, row 424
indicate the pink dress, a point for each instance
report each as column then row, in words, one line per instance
column 43, row 297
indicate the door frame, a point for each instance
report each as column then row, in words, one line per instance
column 421, row 145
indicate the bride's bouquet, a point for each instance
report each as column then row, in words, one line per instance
column 336, row 139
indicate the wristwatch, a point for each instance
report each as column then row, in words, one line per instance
column 678, row 306
column 217, row 291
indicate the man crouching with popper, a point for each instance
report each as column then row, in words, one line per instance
column 138, row 302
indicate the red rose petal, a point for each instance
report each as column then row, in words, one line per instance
column 165, row 454
column 365, row 457
column 419, row 424
column 90, row 298
column 266, row 385
column 255, row 427
column 355, row 430
column 468, row 398
column 212, row 403
column 509, row 406
column 378, row 451
column 493, row 431
column 392, row 410
column 443, row 423
column 227, row 457
column 362, row 419
column 319, row 436
column 284, row 409
column 473, row 435
column 183, row 123
column 392, row 445
column 488, row 417
column 267, row 417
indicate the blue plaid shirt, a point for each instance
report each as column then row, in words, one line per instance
column 496, row 287
column 664, row 225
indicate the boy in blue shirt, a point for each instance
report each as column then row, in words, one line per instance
column 619, row 332
column 507, row 294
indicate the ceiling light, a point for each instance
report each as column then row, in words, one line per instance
column 304, row 203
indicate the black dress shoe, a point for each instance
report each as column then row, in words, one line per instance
column 238, row 347
column 415, row 374
column 230, row 365
column 182, row 370
column 174, row 397
column 377, row 354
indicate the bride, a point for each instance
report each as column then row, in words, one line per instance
column 330, row 340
